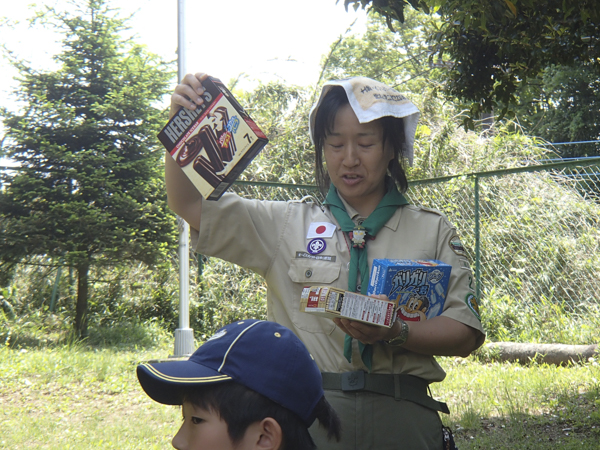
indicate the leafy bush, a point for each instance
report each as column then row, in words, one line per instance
column 129, row 305
column 227, row 293
column 508, row 319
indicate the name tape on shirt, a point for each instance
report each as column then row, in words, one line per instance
column 320, row 230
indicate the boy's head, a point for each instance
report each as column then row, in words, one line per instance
column 254, row 379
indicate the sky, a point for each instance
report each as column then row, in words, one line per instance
column 263, row 39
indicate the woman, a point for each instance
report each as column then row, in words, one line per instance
column 376, row 378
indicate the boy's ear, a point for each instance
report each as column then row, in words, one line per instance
column 268, row 434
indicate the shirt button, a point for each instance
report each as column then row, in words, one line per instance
column 308, row 273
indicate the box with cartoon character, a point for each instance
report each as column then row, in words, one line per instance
column 333, row 302
column 419, row 286
column 214, row 143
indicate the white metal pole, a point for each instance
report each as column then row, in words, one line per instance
column 184, row 335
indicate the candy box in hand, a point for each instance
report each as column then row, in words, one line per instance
column 419, row 286
column 214, row 143
column 333, row 302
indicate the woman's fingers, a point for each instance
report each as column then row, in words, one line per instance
column 188, row 93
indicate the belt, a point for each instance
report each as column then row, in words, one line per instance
column 399, row 386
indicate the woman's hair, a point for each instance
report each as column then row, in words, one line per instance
column 393, row 132
column 240, row 407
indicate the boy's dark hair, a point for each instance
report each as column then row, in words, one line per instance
column 393, row 132
column 240, row 407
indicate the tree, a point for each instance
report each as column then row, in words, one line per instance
column 499, row 45
column 563, row 105
column 89, row 188
column 282, row 112
column 400, row 59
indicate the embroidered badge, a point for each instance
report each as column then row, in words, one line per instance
column 456, row 245
column 306, row 255
column 471, row 302
column 320, row 230
column 316, row 246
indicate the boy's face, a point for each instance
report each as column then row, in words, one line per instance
column 204, row 430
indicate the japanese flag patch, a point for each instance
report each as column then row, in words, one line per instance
column 320, row 230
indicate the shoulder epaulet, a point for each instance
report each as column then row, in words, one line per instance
column 425, row 209
column 305, row 199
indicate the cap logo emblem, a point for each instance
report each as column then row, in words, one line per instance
column 217, row 335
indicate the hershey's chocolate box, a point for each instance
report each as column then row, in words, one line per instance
column 419, row 286
column 214, row 143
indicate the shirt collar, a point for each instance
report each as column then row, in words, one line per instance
column 352, row 213
column 392, row 224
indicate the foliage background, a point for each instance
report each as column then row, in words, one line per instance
column 138, row 293
column 89, row 189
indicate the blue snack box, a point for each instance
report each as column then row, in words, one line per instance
column 420, row 286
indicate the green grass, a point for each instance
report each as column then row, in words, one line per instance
column 81, row 397
column 77, row 398
column 507, row 406
column 57, row 393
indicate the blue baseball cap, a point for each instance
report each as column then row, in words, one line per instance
column 263, row 356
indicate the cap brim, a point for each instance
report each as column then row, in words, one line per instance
column 165, row 382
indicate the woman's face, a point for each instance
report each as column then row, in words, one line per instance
column 357, row 161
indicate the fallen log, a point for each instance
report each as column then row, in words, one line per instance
column 557, row 354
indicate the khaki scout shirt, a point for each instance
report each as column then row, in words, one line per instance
column 270, row 238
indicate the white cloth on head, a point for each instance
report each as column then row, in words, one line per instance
column 371, row 100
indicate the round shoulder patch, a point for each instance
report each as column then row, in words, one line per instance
column 471, row 302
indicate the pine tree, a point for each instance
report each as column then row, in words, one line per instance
column 89, row 189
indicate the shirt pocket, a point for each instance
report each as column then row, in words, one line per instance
column 311, row 272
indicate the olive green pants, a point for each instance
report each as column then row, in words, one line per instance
column 379, row 422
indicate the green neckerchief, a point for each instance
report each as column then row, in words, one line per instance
column 386, row 208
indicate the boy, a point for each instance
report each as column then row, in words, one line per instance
column 251, row 385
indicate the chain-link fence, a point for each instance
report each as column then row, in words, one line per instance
column 532, row 233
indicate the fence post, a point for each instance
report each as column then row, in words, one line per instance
column 55, row 288
column 477, row 242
